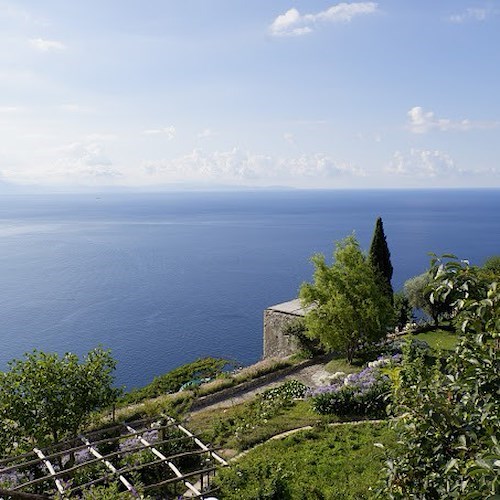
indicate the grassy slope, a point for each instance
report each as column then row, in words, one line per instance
column 240, row 427
column 336, row 463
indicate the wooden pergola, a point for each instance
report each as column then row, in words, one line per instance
column 178, row 462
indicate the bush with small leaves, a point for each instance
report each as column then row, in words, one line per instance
column 450, row 415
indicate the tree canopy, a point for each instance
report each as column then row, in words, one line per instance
column 455, row 276
column 380, row 257
column 417, row 291
column 45, row 397
column 347, row 309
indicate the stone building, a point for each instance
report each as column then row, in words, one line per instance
column 277, row 343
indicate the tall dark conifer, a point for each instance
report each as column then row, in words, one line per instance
column 380, row 257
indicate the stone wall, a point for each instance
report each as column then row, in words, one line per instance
column 276, row 342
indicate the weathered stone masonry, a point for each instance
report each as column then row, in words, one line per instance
column 276, row 318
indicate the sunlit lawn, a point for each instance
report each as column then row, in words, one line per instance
column 438, row 339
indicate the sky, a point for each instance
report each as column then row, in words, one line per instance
column 164, row 94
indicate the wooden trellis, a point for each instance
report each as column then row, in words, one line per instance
column 42, row 473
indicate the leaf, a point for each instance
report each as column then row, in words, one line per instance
column 450, row 465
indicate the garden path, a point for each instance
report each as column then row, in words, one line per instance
column 312, row 376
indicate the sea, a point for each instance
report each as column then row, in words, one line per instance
column 162, row 279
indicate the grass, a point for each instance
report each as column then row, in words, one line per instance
column 438, row 340
column 240, row 427
column 261, row 368
column 340, row 462
column 341, row 365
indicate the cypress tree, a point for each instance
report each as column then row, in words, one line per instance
column 380, row 257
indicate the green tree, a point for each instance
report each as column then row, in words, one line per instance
column 380, row 257
column 44, row 398
column 491, row 268
column 347, row 310
column 418, row 293
column 402, row 310
column 450, row 414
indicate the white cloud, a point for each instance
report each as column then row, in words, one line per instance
column 293, row 23
column 206, row 134
column 83, row 163
column 168, row 131
column 240, row 166
column 433, row 164
column 471, row 14
column 46, row 45
column 84, row 153
column 288, row 24
column 422, row 163
column 421, row 121
column 289, row 137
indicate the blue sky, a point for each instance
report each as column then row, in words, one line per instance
column 220, row 93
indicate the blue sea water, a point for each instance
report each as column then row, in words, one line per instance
column 162, row 279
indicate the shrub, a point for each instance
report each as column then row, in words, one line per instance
column 173, row 381
column 363, row 393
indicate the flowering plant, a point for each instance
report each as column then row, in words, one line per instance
column 363, row 393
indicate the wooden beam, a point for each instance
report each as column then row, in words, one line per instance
column 200, row 444
column 162, row 457
column 50, row 468
column 109, row 465
column 18, row 495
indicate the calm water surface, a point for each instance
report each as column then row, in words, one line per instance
column 162, row 279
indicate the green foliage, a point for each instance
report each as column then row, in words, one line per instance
column 263, row 408
column 403, row 311
column 380, row 257
column 418, row 294
column 107, row 492
column 348, row 309
column 289, row 390
column 308, row 347
column 449, row 428
column 491, row 267
column 245, row 425
column 338, row 463
column 455, row 278
column 172, row 381
column 414, row 290
column 44, row 397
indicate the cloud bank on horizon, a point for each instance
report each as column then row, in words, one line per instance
column 310, row 94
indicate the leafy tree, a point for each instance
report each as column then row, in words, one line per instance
column 417, row 292
column 44, row 397
column 348, row 310
column 450, row 415
column 491, row 268
column 402, row 310
column 380, row 257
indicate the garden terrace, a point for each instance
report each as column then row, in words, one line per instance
column 152, row 457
